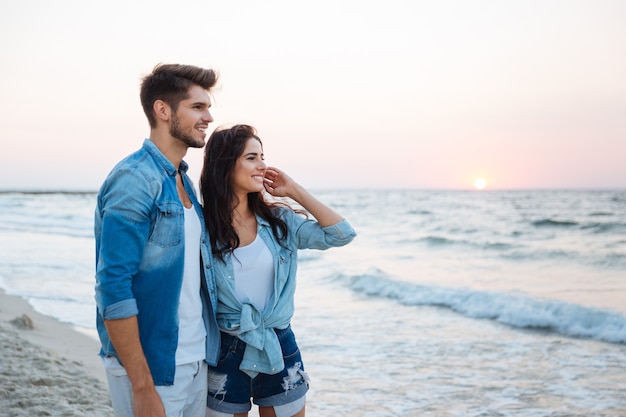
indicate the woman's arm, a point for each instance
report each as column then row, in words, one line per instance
column 279, row 184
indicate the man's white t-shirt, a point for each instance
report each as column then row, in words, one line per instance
column 191, row 330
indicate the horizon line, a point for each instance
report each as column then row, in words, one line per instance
column 485, row 190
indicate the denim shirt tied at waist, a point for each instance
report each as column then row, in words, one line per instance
column 139, row 232
column 256, row 328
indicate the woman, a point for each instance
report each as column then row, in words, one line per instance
column 255, row 244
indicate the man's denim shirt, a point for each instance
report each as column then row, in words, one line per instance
column 255, row 328
column 139, row 231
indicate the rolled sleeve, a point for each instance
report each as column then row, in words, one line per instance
column 310, row 235
column 121, row 310
column 342, row 233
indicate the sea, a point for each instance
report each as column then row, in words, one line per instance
column 447, row 303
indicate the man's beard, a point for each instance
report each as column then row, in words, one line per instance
column 186, row 138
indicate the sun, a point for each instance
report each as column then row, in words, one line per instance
column 480, row 183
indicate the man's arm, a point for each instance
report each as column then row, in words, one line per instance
column 124, row 334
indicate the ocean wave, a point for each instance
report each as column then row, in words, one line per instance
column 440, row 241
column 600, row 213
column 515, row 310
column 528, row 253
column 594, row 227
column 609, row 258
column 73, row 231
column 604, row 227
column 419, row 212
column 553, row 223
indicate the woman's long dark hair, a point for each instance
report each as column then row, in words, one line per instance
column 222, row 150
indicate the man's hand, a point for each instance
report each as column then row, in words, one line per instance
column 148, row 404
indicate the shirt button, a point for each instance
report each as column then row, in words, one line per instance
column 254, row 366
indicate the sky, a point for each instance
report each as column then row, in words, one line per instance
column 344, row 94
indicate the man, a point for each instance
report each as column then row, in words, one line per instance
column 154, row 286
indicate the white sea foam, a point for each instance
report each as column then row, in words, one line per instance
column 516, row 310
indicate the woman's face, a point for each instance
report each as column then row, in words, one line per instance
column 249, row 169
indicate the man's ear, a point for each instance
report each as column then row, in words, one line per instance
column 162, row 110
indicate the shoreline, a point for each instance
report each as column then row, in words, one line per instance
column 47, row 367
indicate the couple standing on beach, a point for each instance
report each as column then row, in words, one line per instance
column 194, row 301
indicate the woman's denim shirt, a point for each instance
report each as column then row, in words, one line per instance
column 255, row 328
column 139, row 232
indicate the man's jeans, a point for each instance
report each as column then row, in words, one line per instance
column 186, row 398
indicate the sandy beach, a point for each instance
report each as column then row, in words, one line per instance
column 47, row 368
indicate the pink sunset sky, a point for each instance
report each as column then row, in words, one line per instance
column 344, row 94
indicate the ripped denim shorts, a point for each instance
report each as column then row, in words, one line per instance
column 231, row 389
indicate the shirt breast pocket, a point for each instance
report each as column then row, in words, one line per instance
column 285, row 261
column 168, row 225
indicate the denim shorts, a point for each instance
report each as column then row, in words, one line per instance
column 231, row 389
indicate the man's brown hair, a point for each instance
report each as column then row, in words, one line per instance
column 171, row 83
